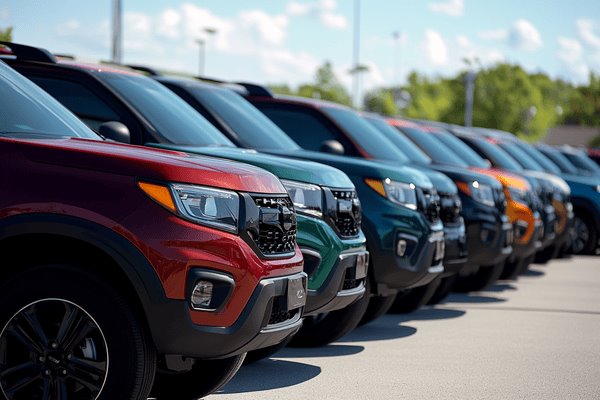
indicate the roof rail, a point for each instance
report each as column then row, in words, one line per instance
column 149, row 70
column 256, row 90
column 210, row 80
column 30, row 53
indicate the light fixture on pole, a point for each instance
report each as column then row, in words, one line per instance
column 203, row 43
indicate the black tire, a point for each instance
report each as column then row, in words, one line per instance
column 484, row 277
column 443, row 290
column 266, row 352
column 585, row 238
column 415, row 298
column 85, row 331
column 511, row 269
column 376, row 306
column 544, row 255
column 322, row 329
column 205, row 377
column 524, row 266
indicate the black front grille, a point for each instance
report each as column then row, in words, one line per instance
column 429, row 203
column 348, row 214
column 450, row 208
column 276, row 225
column 500, row 199
column 279, row 311
column 350, row 281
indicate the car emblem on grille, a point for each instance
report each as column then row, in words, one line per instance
column 286, row 217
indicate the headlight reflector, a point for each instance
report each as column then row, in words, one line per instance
column 478, row 191
column 401, row 193
column 307, row 198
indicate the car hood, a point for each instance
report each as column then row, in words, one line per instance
column 360, row 168
column 284, row 168
column 147, row 163
column 459, row 174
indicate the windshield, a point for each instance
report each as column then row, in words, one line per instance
column 514, row 150
column 581, row 161
column 28, row 111
column 545, row 162
column 559, row 159
column 408, row 148
column 173, row 118
column 459, row 147
column 365, row 135
column 251, row 126
column 438, row 151
column 498, row 157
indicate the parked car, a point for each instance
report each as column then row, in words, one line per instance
column 585, row 196
column 580, row 160
column 127, row 261
column 329, row 212
column 400, row 206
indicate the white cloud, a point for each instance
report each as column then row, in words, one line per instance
column 69, row 27
column 570, row 55
column 586, row 28
column 272, row 29
column 494, row 34
column 454, row 8
column 323, row 10
column 463, row 41
column 168, row 24
column 436, row 51
column 524, row 36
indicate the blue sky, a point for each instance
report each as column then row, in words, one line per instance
column 284, row 41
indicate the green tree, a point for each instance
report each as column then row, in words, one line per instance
column 326, row 86
column 583, row 105
column 380, row 101
column 6, row 34
column 280, row 88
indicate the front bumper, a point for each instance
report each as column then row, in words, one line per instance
column 456, row 252
column 268, row 318
column 330, row 263
column 489, row 239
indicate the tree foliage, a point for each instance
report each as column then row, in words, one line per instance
column 380, row 101
column 6, row 34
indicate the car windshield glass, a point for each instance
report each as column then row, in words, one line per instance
column 250, row 125
column 28, row 111
column 497, row 156
column 547, row 164
column 581, row 161
column 365, row 135
column 559, row 159
column 174, row 120
column 459, row 147
column 408, row 148
column 435, row 149
column 514, row 150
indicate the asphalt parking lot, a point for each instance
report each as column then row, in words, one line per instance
column 536, row 338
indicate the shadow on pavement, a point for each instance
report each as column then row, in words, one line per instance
column 384, row 328
column 430, row 314
column 534, row 272
column 472, row 298
column 280, row 373
column 331, row 350
column 501, row 287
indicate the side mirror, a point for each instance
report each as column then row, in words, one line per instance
column 488, row 162
column 116, row 131
column 332, row 147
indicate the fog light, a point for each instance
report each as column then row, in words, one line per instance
column 520, row 228
column 202, row 295
column 401, row 247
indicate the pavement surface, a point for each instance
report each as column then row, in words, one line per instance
column 535, row 338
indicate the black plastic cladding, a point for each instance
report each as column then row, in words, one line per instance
column 428, row 202
column 450, row 208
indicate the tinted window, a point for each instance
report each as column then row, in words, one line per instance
column 369, row 138
column 497, row 156
column 28, row 111
column 581, row 161
column 438, row 151
column 79, row 99
column 304, row 128
column 541, row 159
column 459, row 147
column 520, row 156
column 408, row 148
column 560, row 160
column 251, row 125
column 174, row 119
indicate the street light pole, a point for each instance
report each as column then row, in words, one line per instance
column 203, row 48
column 396, row 35
column 201, row 44
column 356, row 50
column 469, row 92
column 117, row 43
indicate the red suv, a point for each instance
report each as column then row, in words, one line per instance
column 128, row 263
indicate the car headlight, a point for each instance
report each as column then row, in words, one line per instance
column 401, row 193
column 307, row 198
column 212, row 207
column 478, row 192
